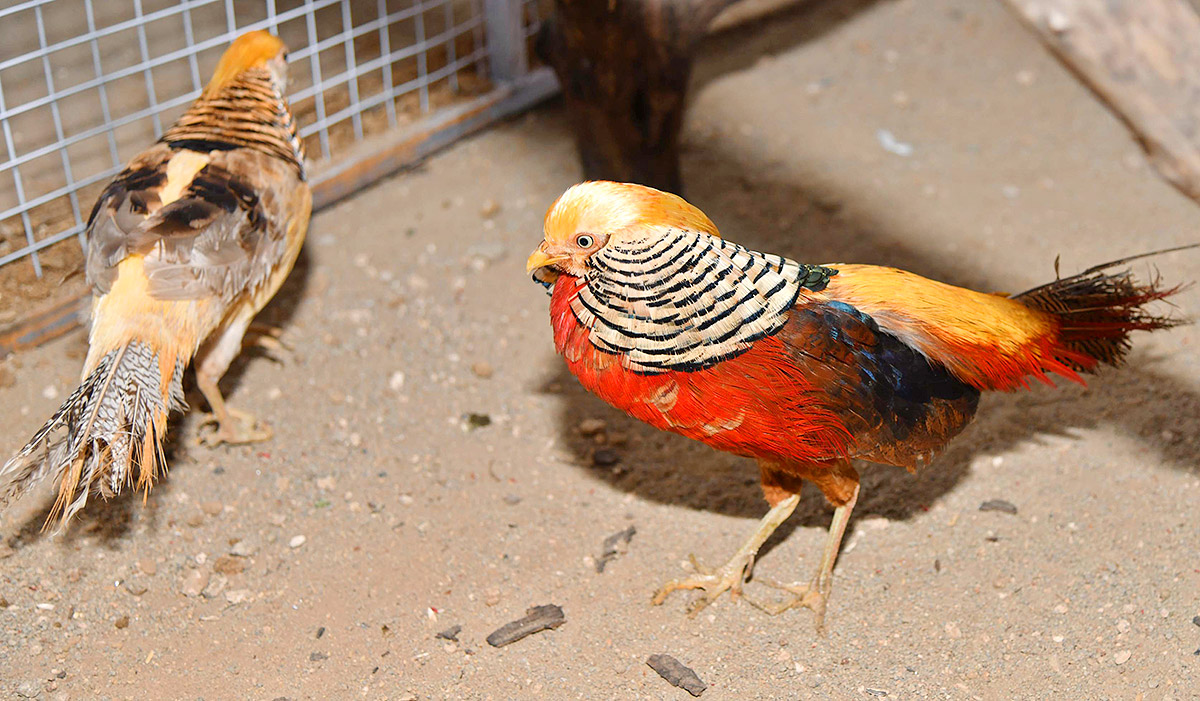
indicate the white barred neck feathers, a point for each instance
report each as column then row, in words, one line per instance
column 684, row 300
column 248, row 111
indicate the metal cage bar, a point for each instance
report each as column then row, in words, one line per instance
column 86, row 85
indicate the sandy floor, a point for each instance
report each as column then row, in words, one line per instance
column 378, row 516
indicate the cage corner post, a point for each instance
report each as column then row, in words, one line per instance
column 507, row 62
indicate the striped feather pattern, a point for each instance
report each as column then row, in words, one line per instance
column 686, row 300
column 106, row 434
column 248, row 111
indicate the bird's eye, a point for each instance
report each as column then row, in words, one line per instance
column 584, row 241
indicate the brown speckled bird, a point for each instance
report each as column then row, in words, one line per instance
column 185, row 246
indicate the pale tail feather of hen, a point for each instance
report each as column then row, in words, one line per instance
column 97, row 441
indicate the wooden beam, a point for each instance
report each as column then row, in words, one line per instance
column 1142, row 58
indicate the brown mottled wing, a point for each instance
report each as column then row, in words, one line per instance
column 221, row 238
column 899, row 407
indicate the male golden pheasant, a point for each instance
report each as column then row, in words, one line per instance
column 185, row 246
column 802, row 367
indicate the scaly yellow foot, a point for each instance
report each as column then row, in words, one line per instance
column 729, row 577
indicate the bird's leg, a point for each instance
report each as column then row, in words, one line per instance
column 729, row 577
column 816, row 594
column 233, row 426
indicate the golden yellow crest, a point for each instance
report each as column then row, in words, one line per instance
column 250, row 50
column 611, row 208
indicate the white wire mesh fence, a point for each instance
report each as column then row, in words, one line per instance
column 87, row 84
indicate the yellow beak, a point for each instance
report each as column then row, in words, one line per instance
column 540, row 259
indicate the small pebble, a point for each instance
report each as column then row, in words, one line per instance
column 998, row 505
column 450, row 633
column 122, row 622
column 195, row 520
column 50, row 392
column 212, row 508
column 489, row 209
column 891, row 144
column 228, row 564
column 297, row 541
column 194, row 582
column 614, row 545
column 1122, row 657
column 677, row 674
column 482, row 369
column 606, row 457
column 237, row 596
column 1195, row 619
column 396, row 381
column 953, row 631
column 216, row 585
column 28, row 690
column 474, row 421
column 317, row 656
column 147, row 566
column 590, row 427
column 242, row 548
column 135, row 587
column 512, row 499
column 537, row 619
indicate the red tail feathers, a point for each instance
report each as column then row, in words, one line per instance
column 1098, row 308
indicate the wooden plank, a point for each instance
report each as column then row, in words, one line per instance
column 1142, row 58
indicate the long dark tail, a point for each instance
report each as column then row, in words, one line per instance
column 106, row 434
column 1099, row 307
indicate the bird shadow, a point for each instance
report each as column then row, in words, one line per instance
column 775, row 32
column 104, row 521
column 817, row 224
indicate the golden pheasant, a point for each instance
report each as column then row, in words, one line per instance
column 802, row 367
column 185, row 246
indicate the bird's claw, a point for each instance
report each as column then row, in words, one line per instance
column 713, row 583
column 235, row 428
column 811, row 596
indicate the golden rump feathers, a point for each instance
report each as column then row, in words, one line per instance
column 255, row 49
column 603, row 207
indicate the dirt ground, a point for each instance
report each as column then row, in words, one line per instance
column 384, row 511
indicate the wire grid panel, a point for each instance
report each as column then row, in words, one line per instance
column 87, row 84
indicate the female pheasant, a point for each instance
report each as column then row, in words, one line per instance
column 185, row 246
column 801, row 367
